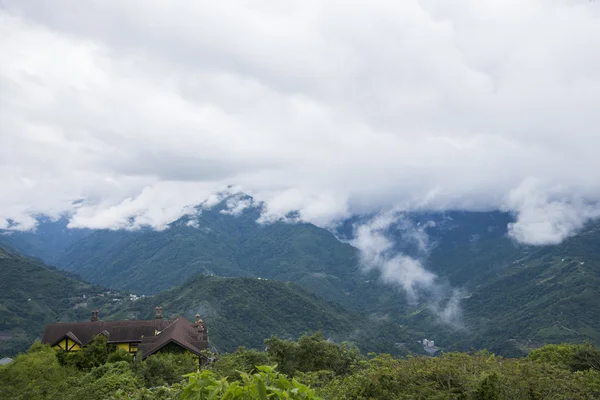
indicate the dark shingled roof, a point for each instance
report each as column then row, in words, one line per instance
column 181, row 332
column 151, row 334
column 74, row 338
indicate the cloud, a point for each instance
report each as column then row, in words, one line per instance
column 377, row 252
column 236, row 204
column 547, row 215
column 328, row 109
column 446, row 307
column 376, row 241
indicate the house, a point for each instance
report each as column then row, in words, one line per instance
column 144, row 336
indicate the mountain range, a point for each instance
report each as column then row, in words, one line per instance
column 507, row 297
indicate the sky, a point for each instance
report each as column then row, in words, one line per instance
column 128, row 113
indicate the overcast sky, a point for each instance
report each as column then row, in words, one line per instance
column 118, row 109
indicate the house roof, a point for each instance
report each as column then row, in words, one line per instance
column 151, row 334
column 118, row 331
column 181, row 332
column 74, row 338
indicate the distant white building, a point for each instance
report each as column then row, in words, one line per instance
column 5, row 360
column 429, row 346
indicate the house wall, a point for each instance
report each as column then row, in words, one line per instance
column 128, row 347
column 67, row 344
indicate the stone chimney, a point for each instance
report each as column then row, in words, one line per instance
column 94, row 316
column 199, row 324
column 158, row 312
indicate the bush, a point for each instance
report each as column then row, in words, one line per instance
column 165, row 368
column 241, row 361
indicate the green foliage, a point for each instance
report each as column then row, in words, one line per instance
column 312, row 353
column 552, row 372
column 462, row 376
column 119, row 355
column 241, row 361
column 164, row 368
column 93, row 355
column 560, row 355
column 104, row 381
column 34, row 375
column 265, row 384
column 586, row 357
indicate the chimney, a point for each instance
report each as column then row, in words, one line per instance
column 199, row 325
column 158, row 312
column 94, row 316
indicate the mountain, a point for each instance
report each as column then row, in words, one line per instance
column 47, row 241
column 245, row 311
column 550, row 295
column 33, row 294
column 215, row 243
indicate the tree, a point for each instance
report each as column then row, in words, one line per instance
column 312, row 353
column 34, row 375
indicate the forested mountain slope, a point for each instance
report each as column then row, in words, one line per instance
column 33, row 294
column 149, row 261
column 238, row 311
column 551, row 295
column 245, row 311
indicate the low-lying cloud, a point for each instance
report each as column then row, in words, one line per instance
column 378, row 250
column 126, row 114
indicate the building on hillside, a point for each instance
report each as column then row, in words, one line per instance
column 145, row 336
column 5, row 360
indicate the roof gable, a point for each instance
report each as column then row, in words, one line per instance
column 180, row 332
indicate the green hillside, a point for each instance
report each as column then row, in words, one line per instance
column 550, row 296
column 33, row 294
column 238, row 311
column 245, row 311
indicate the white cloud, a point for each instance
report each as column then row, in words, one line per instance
column 377, row 251
column 377, row 246
column 236, row 204
column 547, row 215
column 144, row 108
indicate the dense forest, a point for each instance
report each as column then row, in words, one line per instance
column 310, row 368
